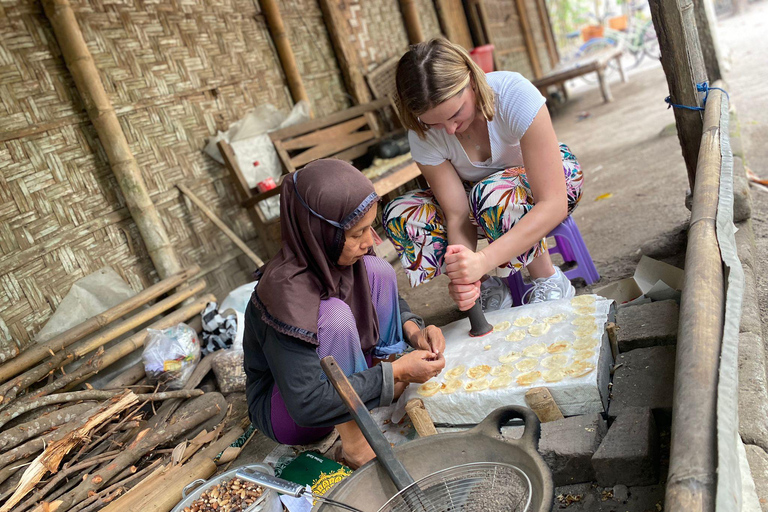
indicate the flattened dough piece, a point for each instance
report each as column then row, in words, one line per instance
column 523, row 321
column 539, row 329
column 584, row 320
column 501, row 326
column 583, row 355
column 487, row 347
column 516, row 335
column 579, row 369
column 585, row 310
column 585, row 330
column 555, row 361
column 501, row 382
column 534, row 350
column 504, row 369
column 526, row 365
column 510, row 357
column 554, row 375
column 529, row 378
column 583, row 300
column 456, row 372
column 478, row 371
column 477, row 385
column 452, row 386
column 584, row 343
column 558, row 346
column 555, row 319
column 429, row 388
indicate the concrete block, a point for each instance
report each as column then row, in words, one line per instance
column 750, row 307
column 758, row 465
column 567, row 446
column 645, row 378
column 647, row 325
column 628, row 454
column 745, row 243
column 742, row 198
column 753, row 390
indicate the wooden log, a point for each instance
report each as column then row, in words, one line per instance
column 274, row 19
column 412, row 21
column 219, row 224
column 683, row 64
column 541, row 402
column 11, row 389
column 14, row 436
column 420, row 417
column 706, row 27
column 145, row 441
column 130, row 376
column 8, row 352
column 91, row 394
column 102, row 114
column 39, row 351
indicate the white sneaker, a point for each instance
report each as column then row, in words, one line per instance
column 554, row 287
column 495, row 294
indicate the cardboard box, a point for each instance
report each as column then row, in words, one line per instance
column 653, row 280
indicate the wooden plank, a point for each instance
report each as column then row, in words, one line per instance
column 683, row 64
column 530, row 45
column 324, row 135
column 230, row 162
column 350, row 154
column 412, row 21
column 335, row 118
column 395, row 179
column 284, row 156
column 549, row 35
column 331, row 147
column 476, row 24
column 710, row 48
column 453, row 20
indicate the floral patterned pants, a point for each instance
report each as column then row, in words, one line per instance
column 416, row 225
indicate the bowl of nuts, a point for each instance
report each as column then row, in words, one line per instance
column 227, row 493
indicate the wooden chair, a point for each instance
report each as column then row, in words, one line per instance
column 345, row 135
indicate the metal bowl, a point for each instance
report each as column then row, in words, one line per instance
column 269, row 501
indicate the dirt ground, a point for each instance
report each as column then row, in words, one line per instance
column 626, row 148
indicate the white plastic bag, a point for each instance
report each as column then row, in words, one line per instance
column 170, row 356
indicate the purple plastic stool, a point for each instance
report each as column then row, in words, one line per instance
column 570, row 245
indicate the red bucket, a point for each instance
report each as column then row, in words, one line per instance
column 483, row 57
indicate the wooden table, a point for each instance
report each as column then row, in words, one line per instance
column 595, row 63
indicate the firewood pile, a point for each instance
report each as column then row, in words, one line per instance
column 65, row 446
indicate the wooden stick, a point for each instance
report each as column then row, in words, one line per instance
column 412, row 22
column 88, row 503
column 40, row 351
column 147, row 440
column 271, row 11
column 91, row 394
column 129, row 377
column 14, row 436
column 10, row 389
column 9, row 470
column 127, row 171
column 420, row 417
column 611, row 329
column 223, row 227
column 541, row 402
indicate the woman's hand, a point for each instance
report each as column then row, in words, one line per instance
column 418, row 366
column 464, row 295
column 430, row 338
column 463, row 265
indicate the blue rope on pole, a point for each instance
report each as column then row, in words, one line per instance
column 700, row 87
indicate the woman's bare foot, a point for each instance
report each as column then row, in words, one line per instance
column 354, row 448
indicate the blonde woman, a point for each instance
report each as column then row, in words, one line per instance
column 486, row 146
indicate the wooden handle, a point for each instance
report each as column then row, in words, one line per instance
column 541, row 402
column 420, row 417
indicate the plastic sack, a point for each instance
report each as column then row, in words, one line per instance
column 171, row 355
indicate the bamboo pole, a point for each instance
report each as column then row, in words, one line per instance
column 102, row 114
column 530, row 44
column 231, row 234
column 276, row 28
column 412, row 21
column 36, row 353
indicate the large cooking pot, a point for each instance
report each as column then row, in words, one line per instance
column 370, row 487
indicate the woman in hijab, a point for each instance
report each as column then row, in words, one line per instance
column 324, row 293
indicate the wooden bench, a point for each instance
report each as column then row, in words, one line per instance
column 345, row 135
column 595, row 63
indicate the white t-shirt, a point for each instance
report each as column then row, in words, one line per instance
column 516, row 103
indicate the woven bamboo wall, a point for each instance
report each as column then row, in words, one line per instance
column 315, row 58
column 430, row 24
column 507, row 37
column 539, row 40
column 376, row 30
column 175, row 72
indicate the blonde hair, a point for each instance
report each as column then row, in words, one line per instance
column 435, row 71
